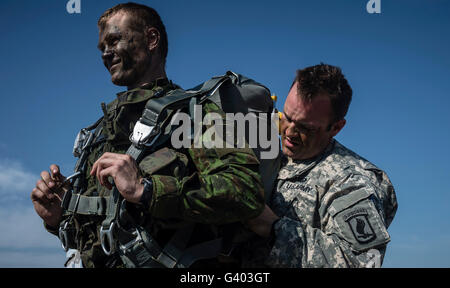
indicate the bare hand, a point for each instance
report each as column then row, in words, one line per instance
column 47, row 195
column 125, row 172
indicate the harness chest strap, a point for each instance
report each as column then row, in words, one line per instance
column 88, row 205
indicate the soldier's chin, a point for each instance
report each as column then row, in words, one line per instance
column 294, row 154
column 118, row 81
column 121, row 80
column 288, row 152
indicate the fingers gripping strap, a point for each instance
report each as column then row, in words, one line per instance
column 107, row 229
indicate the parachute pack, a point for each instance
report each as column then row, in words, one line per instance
column 237, row 96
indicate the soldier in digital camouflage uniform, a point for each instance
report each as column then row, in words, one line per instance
column 211, row 187
column 331, row 207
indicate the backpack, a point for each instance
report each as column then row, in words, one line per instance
column 234, row 94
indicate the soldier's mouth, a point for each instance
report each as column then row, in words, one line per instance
column 291, row 143
column 114, row 65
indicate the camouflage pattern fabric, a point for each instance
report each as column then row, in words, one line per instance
column 206, row 186
column 334, row 211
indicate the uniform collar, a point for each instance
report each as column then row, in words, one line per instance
column 295, row 168
column 160, row 82
column 141, row 93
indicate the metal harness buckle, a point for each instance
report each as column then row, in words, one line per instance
column 63, row 237
column 141, row 133
column 107, row 239
column 130, row 244
column 83, row 139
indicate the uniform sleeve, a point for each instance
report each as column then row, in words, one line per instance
column 224, row 188
column 353, row 235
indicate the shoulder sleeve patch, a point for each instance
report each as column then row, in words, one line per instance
column 359, row 224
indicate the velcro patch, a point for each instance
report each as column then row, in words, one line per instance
column 360, row 226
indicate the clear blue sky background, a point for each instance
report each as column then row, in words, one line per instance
column 397, row 62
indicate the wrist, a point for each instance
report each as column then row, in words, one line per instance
column 147, row 193
column 53, row 229
column 135, row 194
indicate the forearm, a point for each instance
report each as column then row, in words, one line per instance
column 224, row 191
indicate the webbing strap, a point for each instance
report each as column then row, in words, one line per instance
column 135, row 153
column 112, row 210
column 205, row 250
column 156, row 106
column 174, row 250
column 88, row 205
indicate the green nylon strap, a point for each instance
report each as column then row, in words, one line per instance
column 112, row 208
column 88, row 205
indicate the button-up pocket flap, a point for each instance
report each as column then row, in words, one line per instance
column 157, row 160
column 348, row 200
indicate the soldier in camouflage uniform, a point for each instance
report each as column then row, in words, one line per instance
column 211, row 187
column 331, row 207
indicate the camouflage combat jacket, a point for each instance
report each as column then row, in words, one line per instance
column 334, row 209
column 211, row 187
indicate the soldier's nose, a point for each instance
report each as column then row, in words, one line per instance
column 291, row 131
column 107, row 55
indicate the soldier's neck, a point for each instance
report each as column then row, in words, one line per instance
column 150, row 76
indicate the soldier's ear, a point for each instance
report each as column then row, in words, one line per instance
column 336, row 127
column 153, row 38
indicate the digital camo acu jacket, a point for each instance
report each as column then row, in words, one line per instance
column 335, row 210
column 207, row 186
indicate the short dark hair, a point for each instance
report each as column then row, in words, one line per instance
column 144, row 16
column 325, row 78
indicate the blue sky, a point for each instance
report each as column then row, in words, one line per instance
column 397, row 62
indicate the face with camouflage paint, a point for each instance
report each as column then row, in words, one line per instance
column 306, row 128
column 127, row 51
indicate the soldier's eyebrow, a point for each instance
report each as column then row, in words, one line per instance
column 300, row 123
column 287, row 116
column 109, row 36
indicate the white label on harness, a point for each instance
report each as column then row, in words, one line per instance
column 73, row 259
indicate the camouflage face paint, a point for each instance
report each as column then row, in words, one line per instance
column 124, row 51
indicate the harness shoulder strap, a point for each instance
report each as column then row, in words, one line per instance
column 155, row 107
